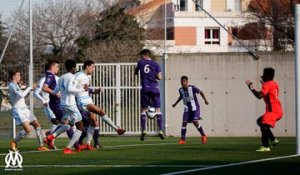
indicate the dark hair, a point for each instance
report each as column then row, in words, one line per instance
column 184, row 77
column 87, row 63
column 145, row 52
column 70, row 64
column 269, row 73
column 50, row 63
column 13, row 73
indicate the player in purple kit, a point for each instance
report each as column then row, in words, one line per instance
column 188, row 93
column 50, row 86
column 150, row 95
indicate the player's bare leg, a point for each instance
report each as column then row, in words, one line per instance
column 26, row 130
column 97, row 110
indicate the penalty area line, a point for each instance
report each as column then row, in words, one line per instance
column 231, row 165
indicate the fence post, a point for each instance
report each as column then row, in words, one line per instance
column 118, row 94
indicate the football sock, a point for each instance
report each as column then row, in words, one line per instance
column 20, row 135
column 61, row 129
column 74, row 138
column 183, row 132
column 96, row 136
column 200, row 129
column 89, row 136
column 108, row 121
column 70, row 132
column 83, row 135
column 143, row 121
column 271, row 136
column 39, row 136
column 53, row 128
column 265, row 135
column 159, row 121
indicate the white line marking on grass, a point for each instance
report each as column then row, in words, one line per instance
column 113, row 166
column 230, row 165
column 115, row 146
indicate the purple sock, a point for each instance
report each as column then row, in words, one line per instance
column 70, row 133
column 83, row 135
column 200, row 129
column 159, row 121
column 143, row 121
column 96, row 137
column 183, row 132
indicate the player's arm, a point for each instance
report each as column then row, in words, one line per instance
column 178, row 100
column 159, row 76
column 204, row 98
column 37, row 94
column 72, row 87
column 22, row 93
column 257, row 94
column 95, row 91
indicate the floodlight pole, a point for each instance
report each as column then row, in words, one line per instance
column 297, row 75
column 30, row 55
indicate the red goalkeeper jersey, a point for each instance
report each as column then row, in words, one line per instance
column 270, row 90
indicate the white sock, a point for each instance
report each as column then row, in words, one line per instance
column 39, row 136
column 61, row 129
column 90, row 133
column 20, row 135
column 53, row 128
column 74, row 139
column 108, row 121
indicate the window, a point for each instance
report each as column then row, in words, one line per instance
column 170, row 33
column 237, row 5
column 198, row 3
column 212, row 36
column 182, row 5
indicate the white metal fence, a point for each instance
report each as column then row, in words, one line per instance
column 121, row 96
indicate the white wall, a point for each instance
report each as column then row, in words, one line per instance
column 233, row 109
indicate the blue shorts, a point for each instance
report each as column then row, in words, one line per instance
column 191, row 116
column 150, row 98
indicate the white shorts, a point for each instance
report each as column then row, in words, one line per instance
column 71, row 113
column 83, row 103
column 49, row 113
column 22, row 115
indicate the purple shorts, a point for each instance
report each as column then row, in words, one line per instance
column 191, row 116
column 57, row 111
column 150, row 98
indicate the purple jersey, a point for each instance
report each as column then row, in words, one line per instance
column 148, row 70
column 51, row 82
column 189, row 98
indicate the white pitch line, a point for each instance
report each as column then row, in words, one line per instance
column 230, row 165
column 113, row 166
column 116, row 146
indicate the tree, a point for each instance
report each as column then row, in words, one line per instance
column 280, row 16
column 116, row 37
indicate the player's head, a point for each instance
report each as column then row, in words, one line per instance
column 89, row 67
column 52, row 66
column 184, row 81
column 15, row 75
column 145, row 53
column 268, row 74
column 70, row 66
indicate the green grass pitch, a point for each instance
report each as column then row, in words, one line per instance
column 128, row 155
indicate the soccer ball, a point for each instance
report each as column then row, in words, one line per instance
column 151, row 112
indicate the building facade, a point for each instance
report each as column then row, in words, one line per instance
column 190, row 30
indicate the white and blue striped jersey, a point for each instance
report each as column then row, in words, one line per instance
column 68, row 86
column 17, row 96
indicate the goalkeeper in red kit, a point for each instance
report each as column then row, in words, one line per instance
column 269, row 92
